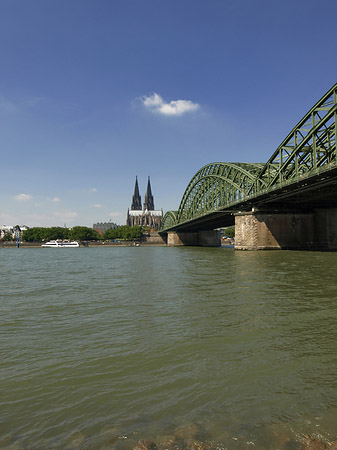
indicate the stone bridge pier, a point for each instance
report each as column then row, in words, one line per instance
column 208, row 238
column 264, row 230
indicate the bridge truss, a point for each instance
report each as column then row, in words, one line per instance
column 308, row 151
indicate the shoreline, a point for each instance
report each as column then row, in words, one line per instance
column 86, row 244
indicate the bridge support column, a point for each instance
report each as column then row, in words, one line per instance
column 263, row 230
column 175, row 239
column 326, row 228
column 209, row 238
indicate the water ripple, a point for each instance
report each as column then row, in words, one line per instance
column 120, row 344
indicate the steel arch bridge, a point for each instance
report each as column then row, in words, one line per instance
column 302, row 171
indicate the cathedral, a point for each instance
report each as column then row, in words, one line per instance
column 145, row 216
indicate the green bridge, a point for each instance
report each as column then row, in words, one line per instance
column 288, row 202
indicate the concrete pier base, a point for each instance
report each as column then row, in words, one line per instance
column 273, row 230
column 326, row 228
column 263, row 230
column 209, row 238
column 175, row 239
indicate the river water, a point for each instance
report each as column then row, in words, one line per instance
column 104, row 347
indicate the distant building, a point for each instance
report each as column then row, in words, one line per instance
column 15, row 231
column 102, row 227
column 146, row 216
column 6, row 229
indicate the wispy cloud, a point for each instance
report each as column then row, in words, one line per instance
column 8, row 218
column 68, row 216
column 54, row 199
column 156, row 104
column 23, row 197
column 97, row 205
column 32, row 101
column 34, row 219
column 88, row 190
column 116, row 214
column 7, row 106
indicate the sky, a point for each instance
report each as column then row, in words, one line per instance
column 96, row 92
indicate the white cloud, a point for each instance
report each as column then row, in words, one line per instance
column 97, row 205
column 54, row 199
column 23, row 197
column 68, row 216
column 87, row 190
column 155, row 103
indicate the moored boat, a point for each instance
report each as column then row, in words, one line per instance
column 58, row 243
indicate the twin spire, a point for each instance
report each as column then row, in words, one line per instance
column 136, row 199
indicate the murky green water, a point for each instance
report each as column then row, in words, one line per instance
column 102, row 347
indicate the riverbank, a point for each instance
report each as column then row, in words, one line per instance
column 86, row 244
column 186, row 437
column 147, row 239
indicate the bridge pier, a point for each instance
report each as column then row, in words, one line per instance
column 326, row 228
column 209, row 238
column 271, row 230
column 268, row 230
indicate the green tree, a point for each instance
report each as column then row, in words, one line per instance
column 39, row 234
column 229, row 232
column 83, row 234
column 53, row 233
column 7, row 237
column 124, row 233
column 111, row 234
column 135, row 232
column 34, row 234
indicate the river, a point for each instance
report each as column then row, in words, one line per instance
column 198, row 347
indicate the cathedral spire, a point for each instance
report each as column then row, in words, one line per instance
column 136, row 200
column 148, row 203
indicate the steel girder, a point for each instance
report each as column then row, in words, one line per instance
column 169, row 219
column 309, row 149
column 214, row 187
column 310, row 145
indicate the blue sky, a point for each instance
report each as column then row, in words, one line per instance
column 95, row 92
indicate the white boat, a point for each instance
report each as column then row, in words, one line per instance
column 61, row 244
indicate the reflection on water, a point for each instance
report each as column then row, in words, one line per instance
column 173, row 347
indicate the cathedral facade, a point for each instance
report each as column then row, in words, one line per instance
column 145, row 215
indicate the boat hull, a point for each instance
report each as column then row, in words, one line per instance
column 61, row 244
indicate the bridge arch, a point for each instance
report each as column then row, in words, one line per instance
column 169, row 219
column 215, row 186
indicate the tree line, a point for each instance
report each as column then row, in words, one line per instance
column 124, row 232
column 78, row 233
